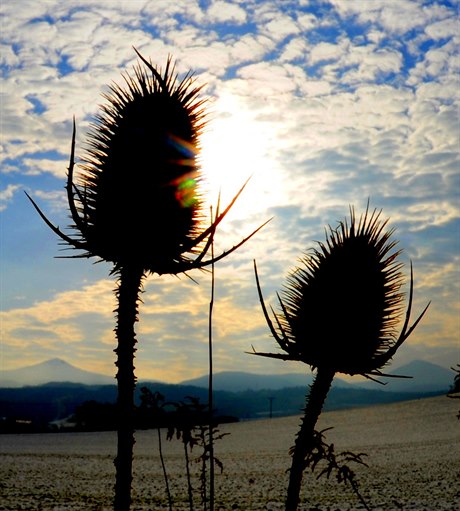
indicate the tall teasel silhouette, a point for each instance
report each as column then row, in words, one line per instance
column 136, row 203
column 339, row 313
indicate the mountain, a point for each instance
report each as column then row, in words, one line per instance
column 237, row 381
column 425, row 377
column 54, row 370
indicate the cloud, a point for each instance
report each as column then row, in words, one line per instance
column 6, row 195
column 60, row 324
column 324, row 106
column 395, row 17
column 326, row 51
column 57, row 168
column 268, row 78
column 281, row 26
column 225, row 12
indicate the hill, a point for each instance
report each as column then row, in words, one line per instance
column 424, row 377
column 39, row 405
column 54, row 370
column 238, row 381
column 420, row 376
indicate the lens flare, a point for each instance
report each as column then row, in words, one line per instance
column 186, row 191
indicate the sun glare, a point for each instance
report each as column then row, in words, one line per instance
column 235, row 147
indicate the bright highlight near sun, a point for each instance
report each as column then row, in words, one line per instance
column 235, row 147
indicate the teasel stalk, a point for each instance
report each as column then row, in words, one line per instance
column 339, row 313
column 136, row 204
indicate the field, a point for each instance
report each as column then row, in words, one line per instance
column 413, row 456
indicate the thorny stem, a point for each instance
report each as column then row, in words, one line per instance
column 304, row 441
column 129, row 287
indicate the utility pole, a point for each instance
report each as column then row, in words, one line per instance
column 271, row 406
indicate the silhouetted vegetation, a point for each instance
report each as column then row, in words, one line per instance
column 322, row 456
column 136, row 204
column 454, row 391
column 189, row 422
column 94, row 416
column 338, row 314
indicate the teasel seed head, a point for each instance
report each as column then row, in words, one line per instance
column 136, row 200
column 139, row 187
column 341, row 307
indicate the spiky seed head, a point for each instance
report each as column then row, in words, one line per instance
column 138, row 197
column 342, row 305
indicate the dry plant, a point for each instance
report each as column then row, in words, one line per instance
column 339, row 313
column 454, row 391
column 136, row 204
column 190, row 424
column 153, row 414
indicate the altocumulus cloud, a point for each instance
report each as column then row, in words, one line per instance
column 325, row 104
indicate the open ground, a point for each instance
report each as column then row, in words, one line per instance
column 413, row 461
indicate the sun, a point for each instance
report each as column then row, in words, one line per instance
column 236, row 147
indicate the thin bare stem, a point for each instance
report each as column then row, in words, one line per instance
column 189, row 478
column 165, row 473
column 210, row 386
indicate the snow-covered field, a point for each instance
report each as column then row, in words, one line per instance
column 413, row 455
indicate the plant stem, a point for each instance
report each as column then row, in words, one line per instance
column 165, row 473
column 129, row 287
column 304, row 441
column 189, row 478
column 210, row 389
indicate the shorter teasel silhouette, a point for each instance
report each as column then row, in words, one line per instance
column 339, row 311
column 136, row 203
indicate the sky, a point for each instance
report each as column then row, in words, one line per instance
column 327, row 104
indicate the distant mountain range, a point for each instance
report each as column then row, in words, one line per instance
column 238, row 381
column 425, row 377
column 241, row 395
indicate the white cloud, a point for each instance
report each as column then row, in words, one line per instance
column 296, row 48
column 6, row 195
column 52, row 323
column 268, row 79
column 443, row 29
column 279, row 26
column 327, row 51
column 395, row 17
column 163, row 11
column 56, row 167
column 222, row 12
column 402, row 16
column 249, row 47
column 307, row 21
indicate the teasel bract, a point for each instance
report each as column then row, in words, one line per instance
column 136, row 204
column 339, row 313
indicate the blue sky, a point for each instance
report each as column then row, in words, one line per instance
column 325, row 103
